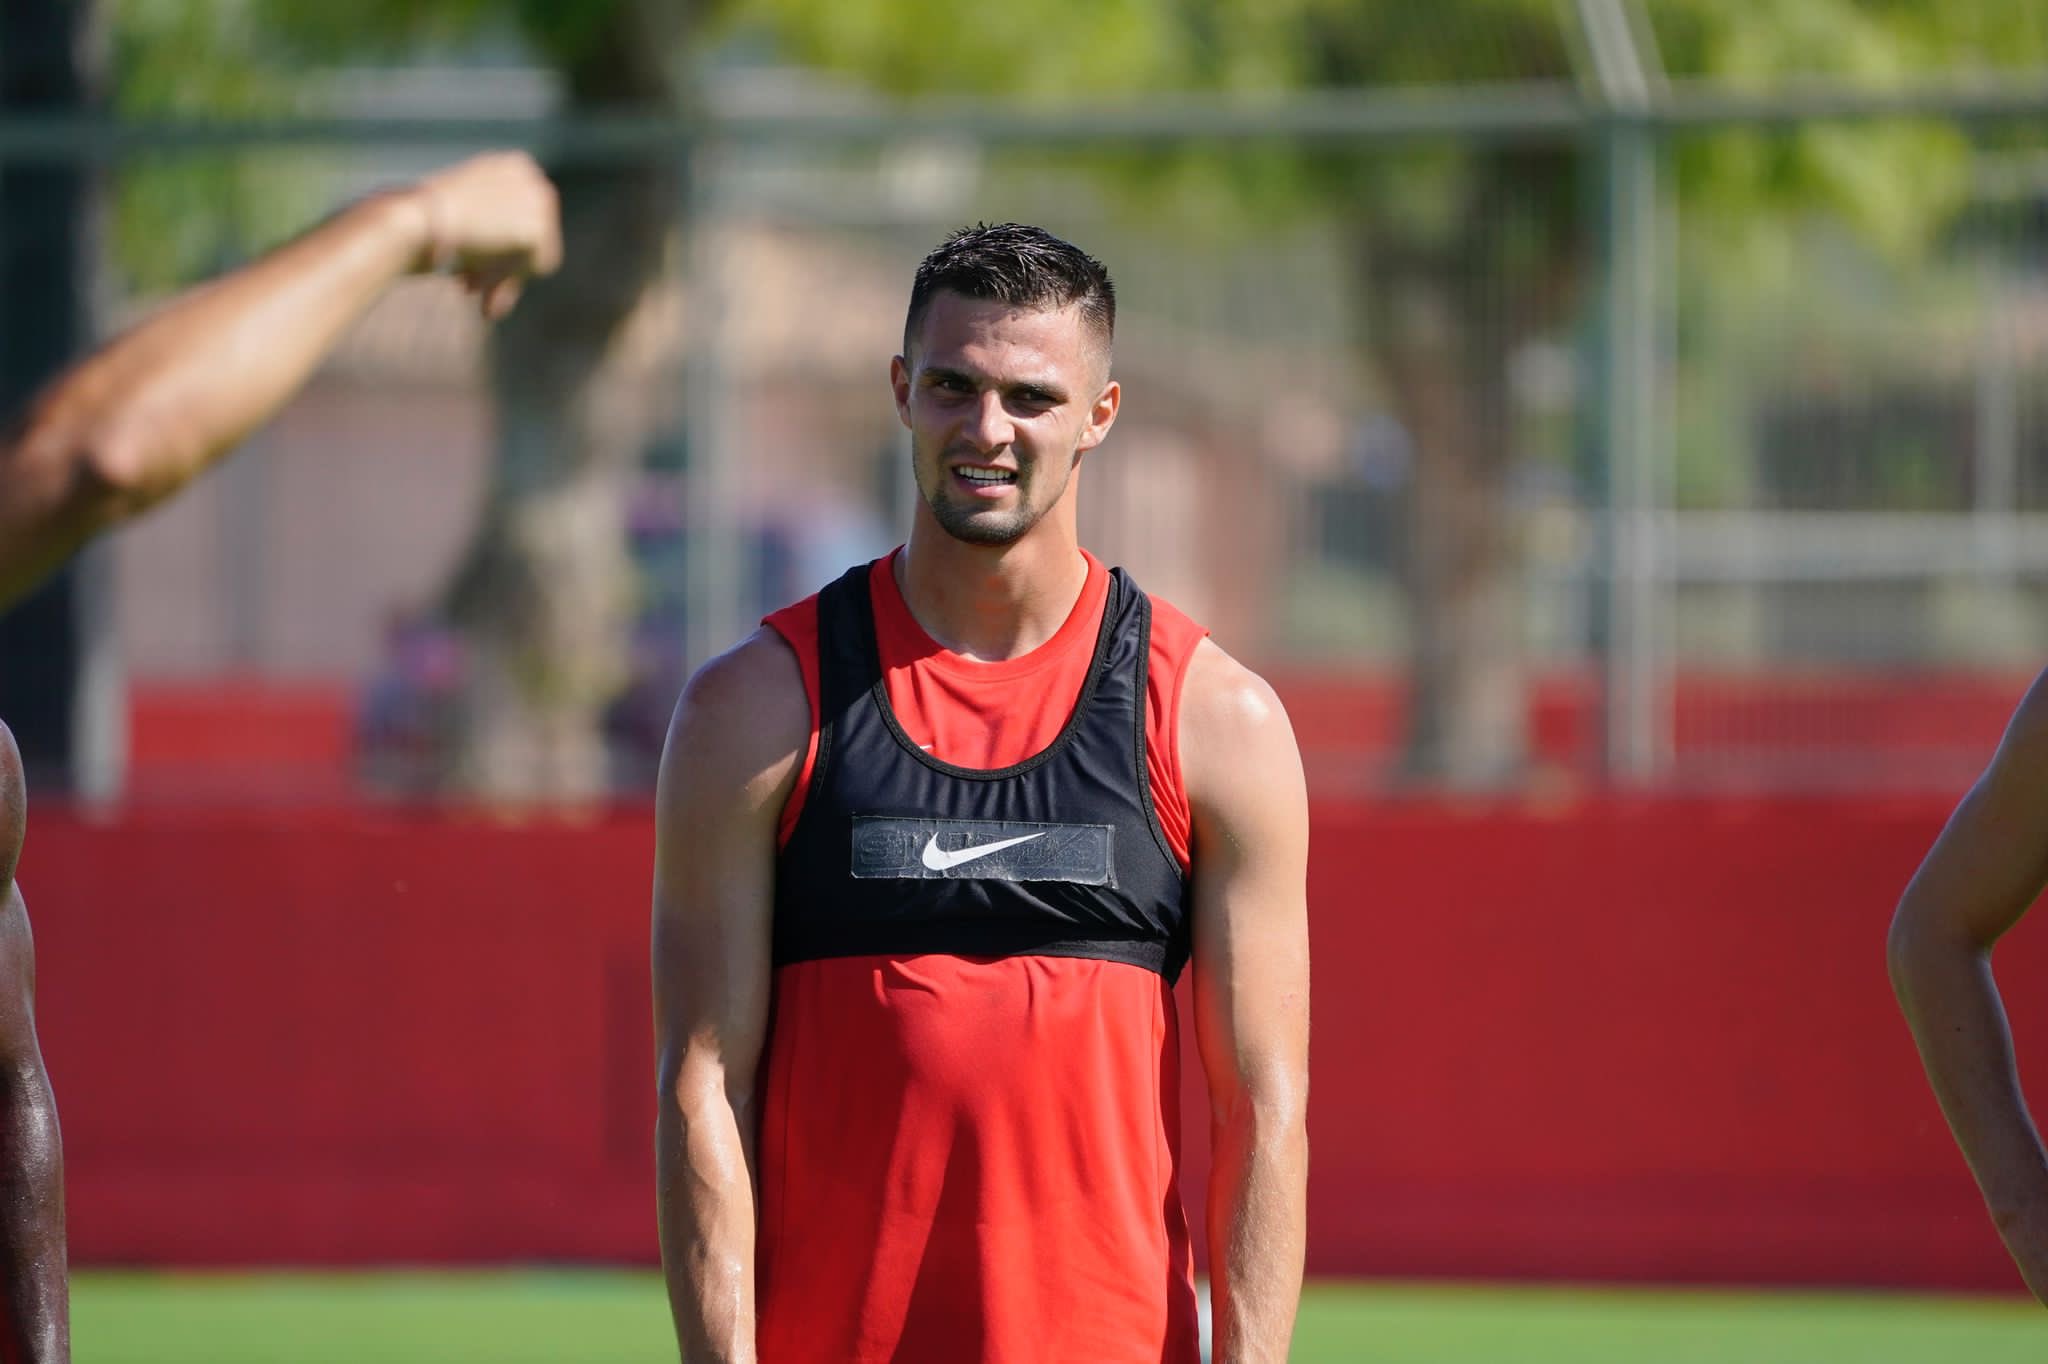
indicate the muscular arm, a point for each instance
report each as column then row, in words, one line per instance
column 732, row 755
column 137, row 420
column 34, row 1280
column 1250, row 853
column 1987, row 867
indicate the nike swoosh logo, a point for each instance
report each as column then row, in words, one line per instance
column 938, row 859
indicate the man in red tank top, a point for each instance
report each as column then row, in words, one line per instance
column 933, row 846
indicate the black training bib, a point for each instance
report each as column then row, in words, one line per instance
column 1060, row 855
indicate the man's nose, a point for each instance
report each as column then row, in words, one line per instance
column 990, row 428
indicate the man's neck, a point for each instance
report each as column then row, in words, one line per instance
column 991, row 602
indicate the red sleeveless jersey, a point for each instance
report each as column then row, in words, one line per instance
column 973, row 1158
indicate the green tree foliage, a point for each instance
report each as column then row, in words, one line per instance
column 183, row 216
column 1066, row 49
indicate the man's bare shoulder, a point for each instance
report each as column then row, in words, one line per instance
column 758, row 680
column 13, row 806
column 1236, row 742
column 1224, row 702
column 743, row 718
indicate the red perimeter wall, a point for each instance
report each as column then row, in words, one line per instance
column 1602, row 1039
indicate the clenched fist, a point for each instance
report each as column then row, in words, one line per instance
column 493, row 221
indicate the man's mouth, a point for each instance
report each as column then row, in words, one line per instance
column 982, row 476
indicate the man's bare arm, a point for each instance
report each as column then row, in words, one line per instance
column 733, row 750
column 141, row 417
column 1987, row 867
column 34, row 1278
column 1251, row 978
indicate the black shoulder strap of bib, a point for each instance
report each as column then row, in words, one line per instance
column 848, row 661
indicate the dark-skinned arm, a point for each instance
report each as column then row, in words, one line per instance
column 1988, row 866
column 34, row 1277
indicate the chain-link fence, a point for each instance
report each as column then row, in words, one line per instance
column 1512, row 455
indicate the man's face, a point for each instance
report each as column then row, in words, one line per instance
column 1001, row 403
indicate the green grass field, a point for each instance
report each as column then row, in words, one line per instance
column 610, row 1318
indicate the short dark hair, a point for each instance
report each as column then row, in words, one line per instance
column 1015, row 263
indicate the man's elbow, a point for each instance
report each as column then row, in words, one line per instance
column 694, row 1092
column 1903, row 946
column 677, row 1093
column 1265, row 1105
column 112, row 478
column 1917, row 942
column 70, row 485
column 21, row 1059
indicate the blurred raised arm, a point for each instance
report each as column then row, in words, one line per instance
column 135, row 421
column 1987, row 867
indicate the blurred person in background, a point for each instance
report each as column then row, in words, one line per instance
column 962, row 817
column 1988, row 866
column 126, row 428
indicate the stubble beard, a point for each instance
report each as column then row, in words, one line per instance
column 985, row 526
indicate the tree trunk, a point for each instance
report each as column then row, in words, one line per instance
column 1466, row 715
column 545, row 596
column 1445, row 318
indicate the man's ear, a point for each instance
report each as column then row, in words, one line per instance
column 1101, row 416
column 899, row 384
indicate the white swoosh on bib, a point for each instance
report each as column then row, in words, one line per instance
column 938, row 859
